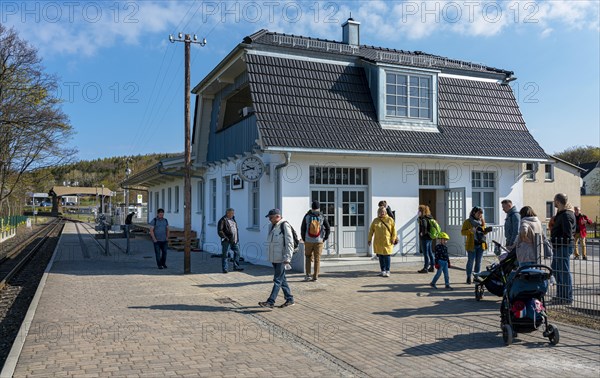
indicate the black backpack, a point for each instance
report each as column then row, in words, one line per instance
column 294, row 234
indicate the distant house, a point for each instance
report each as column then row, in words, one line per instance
column 543, row 181
column 283, row 120
column 590, row 190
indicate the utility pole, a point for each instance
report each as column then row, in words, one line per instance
column 127, row 173
column 187, row 182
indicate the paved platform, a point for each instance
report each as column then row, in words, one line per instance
column 119, row 315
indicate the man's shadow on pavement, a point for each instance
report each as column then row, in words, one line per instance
column 444, row 343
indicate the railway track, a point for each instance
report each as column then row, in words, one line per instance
column 20, row 273
column 12, row 262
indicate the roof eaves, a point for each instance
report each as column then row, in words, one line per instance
column 567, row 163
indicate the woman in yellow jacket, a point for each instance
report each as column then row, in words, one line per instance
column 384, row 229
column 474, row 229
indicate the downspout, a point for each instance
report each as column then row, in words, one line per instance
column 278, row 199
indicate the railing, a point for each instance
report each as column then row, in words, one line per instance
column 9, row 225
column 575, row 288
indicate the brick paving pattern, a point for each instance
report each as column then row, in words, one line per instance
column 120, row 316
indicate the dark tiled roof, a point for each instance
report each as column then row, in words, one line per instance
column 372, row 53
column 303, row 104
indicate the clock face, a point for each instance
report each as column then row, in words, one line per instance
column 251, row 168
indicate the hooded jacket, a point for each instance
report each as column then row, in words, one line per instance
column 281, row 244
column 529, row 241
column 511, row 226
column 384, row 230
column 325, row 229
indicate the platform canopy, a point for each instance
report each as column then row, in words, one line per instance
column 61, row 191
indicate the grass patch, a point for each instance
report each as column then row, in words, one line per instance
column 569, row 316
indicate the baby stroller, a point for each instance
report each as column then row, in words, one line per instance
column 495, row 276
column 523, row 304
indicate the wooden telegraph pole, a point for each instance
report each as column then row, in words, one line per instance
column 187, row 182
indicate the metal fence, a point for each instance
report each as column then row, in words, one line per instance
column 575, row 287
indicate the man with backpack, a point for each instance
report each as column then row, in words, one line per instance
column 315, row 231
column 429, row 230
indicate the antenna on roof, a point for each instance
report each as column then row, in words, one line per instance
column 350, row 18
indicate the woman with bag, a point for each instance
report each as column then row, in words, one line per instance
column 474, row 229
column 529, row 241
column 384, row 230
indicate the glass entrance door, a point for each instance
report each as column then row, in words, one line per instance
column 455, row 216
column 353, row 231
column 328, row 208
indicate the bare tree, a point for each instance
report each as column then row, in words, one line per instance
column 33, row 128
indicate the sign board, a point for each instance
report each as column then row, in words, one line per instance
column 140, row 198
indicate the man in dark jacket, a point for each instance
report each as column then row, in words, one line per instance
column 228, row 231
column 315, row 231
column 511, row 223
column 561, row 235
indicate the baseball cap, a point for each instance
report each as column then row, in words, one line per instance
column 273, row 212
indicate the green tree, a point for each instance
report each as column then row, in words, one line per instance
column 580, row 154
column 34, row 130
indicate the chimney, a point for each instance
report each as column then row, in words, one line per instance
column 351, row 32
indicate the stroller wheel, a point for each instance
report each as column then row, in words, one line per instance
column 553, row 334
column 478, row 292
column 507, row 334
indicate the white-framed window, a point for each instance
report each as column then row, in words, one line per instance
column 163, row 198
column 176, row 198
column 200, row 197
column 548, row 172
column 549, row 209
column 432, row 177
column 408, row 95
column 169, row 197
column 531, row 175
column 213, row 200
column 226, row 193
column 254, row 202
column 484, row 194
column 156, row 195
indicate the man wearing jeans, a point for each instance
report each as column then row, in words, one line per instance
column 159, row 231
column 228, row 231
column 561, row 234
column 280, row 247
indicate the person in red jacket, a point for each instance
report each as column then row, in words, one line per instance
column 581, row 220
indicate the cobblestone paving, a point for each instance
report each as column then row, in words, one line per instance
column 120, row 316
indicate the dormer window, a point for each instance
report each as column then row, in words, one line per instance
column 408, row 96
column 407, row 99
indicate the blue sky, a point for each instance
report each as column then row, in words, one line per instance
column 122, row 81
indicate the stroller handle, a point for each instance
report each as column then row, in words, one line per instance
column 534, row 266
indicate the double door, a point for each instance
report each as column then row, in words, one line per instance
column 346, row 211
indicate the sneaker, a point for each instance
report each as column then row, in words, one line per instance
column 266, row 304
column 286, row 304
column 382, row 274
column 448, row 287
column 225, row 271
column 315, row 279
column 430, row 269
column 424, row 270
column 576, row 258
column 584, row 258
column 468, row 281
column 386, row 274
column 432, row 285
column 307, row 278
column 160, row 267
column 164, row 267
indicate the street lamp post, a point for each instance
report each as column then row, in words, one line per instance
column 187, row 183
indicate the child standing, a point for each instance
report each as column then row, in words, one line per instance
column 442, row 259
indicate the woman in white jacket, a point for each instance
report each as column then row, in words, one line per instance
column 529, row 241
column 281, row 248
